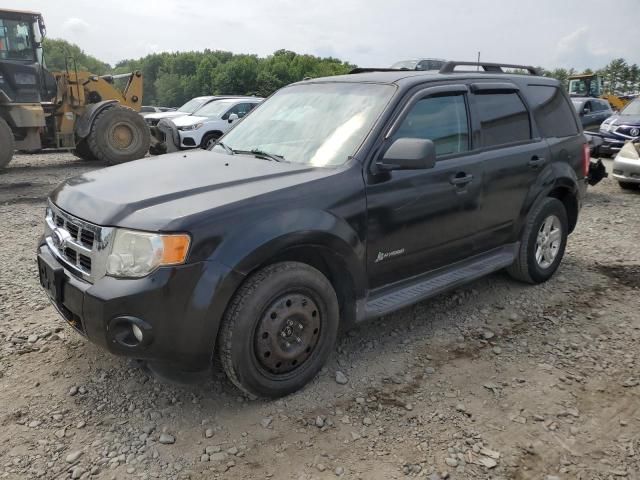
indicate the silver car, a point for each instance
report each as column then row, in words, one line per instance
column 626, row 166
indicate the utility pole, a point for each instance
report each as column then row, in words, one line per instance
column 478, row 66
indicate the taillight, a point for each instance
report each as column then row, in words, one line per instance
column 586, row 159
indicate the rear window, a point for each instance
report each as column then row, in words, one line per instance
column 551, row 111
column 503, row 118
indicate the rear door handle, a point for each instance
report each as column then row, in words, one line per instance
column 536, row 161
column 460, row 179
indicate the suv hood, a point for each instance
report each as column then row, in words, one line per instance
column 624, row 119
column 166, row 193
column 189, row 120
column 161, row 115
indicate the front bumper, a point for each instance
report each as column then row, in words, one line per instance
column 626, row 170
column 179, row 309
column 190, row 138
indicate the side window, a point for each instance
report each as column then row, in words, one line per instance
column 241, row 109
column 441, row 119
column 503, row 118
column 553, row 114
column 588, row 108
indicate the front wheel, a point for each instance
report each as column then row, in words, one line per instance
column 542, row 244
column 628, row 185
column 279, row 329
column 119, row 135
column 209, row 140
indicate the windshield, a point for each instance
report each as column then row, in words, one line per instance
column 632, row 109
column 214, row 109
column 194, row 104
column 16, row 40
column 407, row 64
column 315, row 124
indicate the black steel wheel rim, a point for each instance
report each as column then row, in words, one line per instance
column 287, row 333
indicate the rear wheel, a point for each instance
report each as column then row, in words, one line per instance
column 119, row 135
column 628, row 185
column 209, row 140
column 279, row 329
column 542, row 244
column 7, row 145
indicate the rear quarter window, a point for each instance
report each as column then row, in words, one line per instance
column 503, row 118
column 552, row 112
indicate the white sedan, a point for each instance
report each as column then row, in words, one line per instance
column 212, row 121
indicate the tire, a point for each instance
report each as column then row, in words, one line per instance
column 527, row 267
column 289, row 309
column 7, row 145
column 628, row 185
column 119, row 135
column 208, row 139
column 83, row 151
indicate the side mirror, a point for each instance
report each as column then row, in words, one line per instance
column 233, row 117
column 586, row 111
column 409, row 154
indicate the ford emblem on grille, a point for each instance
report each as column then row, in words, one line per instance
column 59, row 238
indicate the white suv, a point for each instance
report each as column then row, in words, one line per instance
column 188, row 108
column 203, row 128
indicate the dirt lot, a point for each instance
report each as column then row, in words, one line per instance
column 497, row 380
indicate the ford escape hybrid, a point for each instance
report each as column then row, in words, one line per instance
column 335, row 201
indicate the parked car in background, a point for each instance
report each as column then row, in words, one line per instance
column 592, row 111
column 620, row 128
column 422, row 64
column 147, row 109
column 209, row 123
column 188, row 108
column 626, row 166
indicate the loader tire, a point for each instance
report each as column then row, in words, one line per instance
column 119, row 135
column 83, row 151
column 6, row 144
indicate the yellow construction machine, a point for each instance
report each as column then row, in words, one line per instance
column 69, row 109
column 590, row 85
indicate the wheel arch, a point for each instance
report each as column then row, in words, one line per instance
column 85, row 122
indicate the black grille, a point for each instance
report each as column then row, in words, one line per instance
column 73, row 230
column 85, row 262
column 71, row 255
column 59, row 221
column 86, row 238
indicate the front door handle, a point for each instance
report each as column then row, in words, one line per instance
column 460, row 179
column 536, row 161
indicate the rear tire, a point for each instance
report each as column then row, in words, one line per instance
column 7, row 144
column 279, row 329
column 543, row 242
column 119, row 135
column 83, row 151
column 628, row 185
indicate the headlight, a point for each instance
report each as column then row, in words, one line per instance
column 191, row 127
column 136, row 254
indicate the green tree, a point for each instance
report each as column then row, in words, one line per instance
column 60, row 53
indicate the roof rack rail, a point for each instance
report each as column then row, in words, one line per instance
column 449, row 67
column 368, row 70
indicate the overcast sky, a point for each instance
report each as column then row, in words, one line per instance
column 550, row 33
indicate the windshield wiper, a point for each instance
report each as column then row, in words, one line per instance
column 227, row 148
column 260, row 154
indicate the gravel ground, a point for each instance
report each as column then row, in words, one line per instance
column 496, row 380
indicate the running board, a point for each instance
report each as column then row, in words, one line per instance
column 407, row 292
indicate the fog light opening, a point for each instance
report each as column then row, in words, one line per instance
column 137, row 332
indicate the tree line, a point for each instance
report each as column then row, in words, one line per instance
column 171, row 79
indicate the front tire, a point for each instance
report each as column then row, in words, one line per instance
column 628, row 185
column 279, row 329
column 7, row 145
column 209, row 140
column 83, row 151
column 542, row 244
column 119, row 135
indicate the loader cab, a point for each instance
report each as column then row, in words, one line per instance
column 585, row 86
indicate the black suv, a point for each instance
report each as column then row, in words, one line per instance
column 335, row 201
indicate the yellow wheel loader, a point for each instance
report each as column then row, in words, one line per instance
column 590, row 85
column 70, row 109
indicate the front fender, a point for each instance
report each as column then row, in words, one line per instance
column 83, row 127
column 288, row 229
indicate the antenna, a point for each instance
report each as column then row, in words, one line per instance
column 478, row 66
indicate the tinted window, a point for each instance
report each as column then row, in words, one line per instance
column 441, row 119
column 241, row 109
column 551, row 111
column 600, row 105
column 503, row 118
